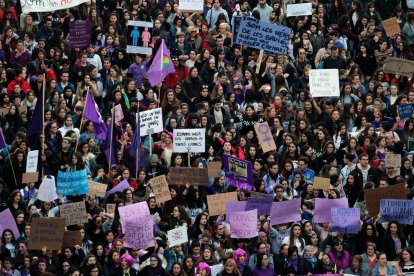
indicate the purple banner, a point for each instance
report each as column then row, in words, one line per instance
column 239, row 173
column 263, row 205
column 345, row 220
column 80, row 33
column 323, row 208
column 285, row 211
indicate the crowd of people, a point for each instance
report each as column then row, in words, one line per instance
column 226, row 89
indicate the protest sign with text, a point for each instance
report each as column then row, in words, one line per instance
column 217, row 203
column 80, row 33
column 191, row 5
column 405, row 110
column 400, row 66
column 345, row 220
column 185, row 175
column 46, row 232
column 97, row 189
column 72, row 183
column 239, row 173
column 29, row 6
column 74, row 213
column 299, row 9
column 189, row 140
column 31, row 161
column 373, row 196
column 177, row 236
column 160, row 189
column 150, row 121
column 323, row 208
column 397, row 209
column 324, row 82
column 243, row 224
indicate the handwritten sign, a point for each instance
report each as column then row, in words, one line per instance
column 119, row 114
column 46, row 232
column 177, row 236
column 285, row 211
column 139, row 37
column 323, row 208
column 7, row 222
column 31, row 163
column 299, row 9
column 217, row 203
column 184, row 175
column 79, row 33
column 263, row 205
column 110, row 208
column 191, row 5
column 263, row 36
column 47, row 189
column 30, row 177
column 29, row 6
column 74, row 213
column 396, row 209
column 214, row 169
column 137, row 225
column 321, row 183
column 160, row 188
column 234, row 206
column 265, row 136
column 243, row 224
column 405, row 110
column 324, row 82
column 345, row 220
column 373, row 196
column 72, row 238
column 151, row 121
column 72, row 183
column 392, row 160
column 97, row 189
column 395, row 65
column 391, row 26
column 239, row 172
column 190, row 140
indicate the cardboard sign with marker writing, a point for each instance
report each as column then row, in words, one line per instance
column 30, row 177
column 391, row 26
column 321, row 183
column 74, row 213
column 214, row 169
column 47, row 232
column 217, row 203
column 184, row 175
column 160, row 188
column 97, row 189
column 72, row 238
column 392, row 160
column 395, row 65
column 265, row 136
column 373, row 196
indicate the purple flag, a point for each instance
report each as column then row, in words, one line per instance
column 35, row 126
column 110, row 145
column 2, row 141
column 118, row 188
column 161, row 65
column 92, row 114
column 135, row 150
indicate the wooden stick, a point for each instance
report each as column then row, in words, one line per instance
column 259, row 61
column 81, row 122
column 138, row 148
column 112, row 134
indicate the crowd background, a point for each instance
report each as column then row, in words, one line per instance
column 225, row 89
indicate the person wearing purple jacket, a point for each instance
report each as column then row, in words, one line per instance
column 339, row 256
column 262, row 266
column 21, row 55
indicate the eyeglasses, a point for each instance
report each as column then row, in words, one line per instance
column 301, row 53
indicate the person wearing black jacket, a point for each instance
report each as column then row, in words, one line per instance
column 294, row 263
column 394, row 236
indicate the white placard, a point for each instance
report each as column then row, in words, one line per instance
column 177, row 236
column 191, row 5
column 48, row 5
column 216, row 269
column 190, row 140
column 324, row 82
column 47, row 189
column 151, row 121
column 32, row 158
column 299, row 9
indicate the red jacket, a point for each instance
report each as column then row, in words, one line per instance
column 181, row 73
column 23, row 84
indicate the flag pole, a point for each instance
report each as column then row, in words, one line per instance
column 81, row 122
column 112, row 135
column 138, row 148
column 162, row 58
column 43, row 122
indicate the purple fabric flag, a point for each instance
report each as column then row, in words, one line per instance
column 111, row 157
column 7, row 222
column 92, row 114
column 135, row 145
column 2, row 141
column 323, row 208
column 285, row 211
column 36, row 124
column 118, row 188
column 161, row 65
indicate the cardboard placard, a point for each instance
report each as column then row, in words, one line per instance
column 30, row 177
column 214, row 169
column 97, row 189
column 217, row 203
column 160, row 188
column 393, row 160
column 265, row 136
column 72, row 238
column 46, row 232
column 391, row 26
column 110, row 208
column 184, row 175
column 321, row 183
column 395, row 65
column 373, row 196
column 74, row 213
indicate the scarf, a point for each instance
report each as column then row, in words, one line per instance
column 293, row 263
column 126, row 99
column 126, row 272
column 311, row 261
